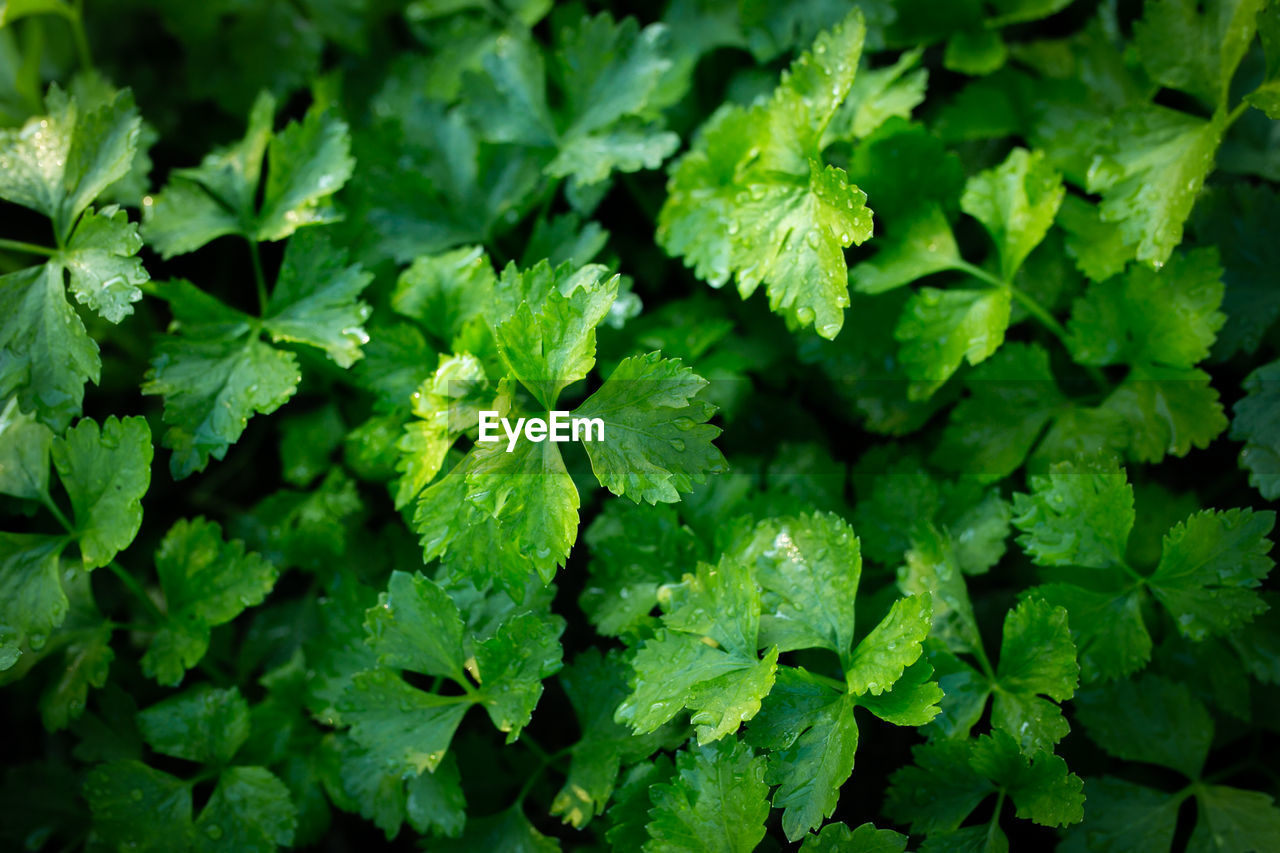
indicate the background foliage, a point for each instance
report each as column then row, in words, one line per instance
column 955, row 537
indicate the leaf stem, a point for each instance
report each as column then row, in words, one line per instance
column 1035, row 309
column 81, row 40
column 57, row 513
column 27, row 248
column 134, row 587
column 258, row 277
column 994, row 826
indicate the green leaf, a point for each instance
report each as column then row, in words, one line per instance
column 307, row 163
column 1149, row 719
column 417, row 626
column 510, row 666
column 1150, row 182
column 139, row 808
column 634, row 551
column 436, row 802
column 88, row 664
column 59, row 163
column 812, row 737
column 920, row 246
column 892, row 646
column 1107, row 627
column 1016, row 202
column 203, row 724
column 1197, row 51
column 533, row 498
column 1098, row 247
column 316, row 299
column 938, row 791
column 1012, row 398
column 250, row 809
column 445, row 291
column 1037, row 657
column 939, row 329
column 1122, row 816
column 207, row 581
column 1168, row 317
column 32, row 600
column 214, row 376
column 45, row 352
column 595, row 685
column 15, row 9
column 705, row 659
column 1041, row 787
column 838, row 838
column 1234, row 820
column 1076, row 516
column 24, row 454
column 508, row 830
column 610, row 73
column 215, row 198
column 105, row 472
column 716, row 803
column 1167, row 410
column 753, row 199
column 1209, row 568
column 101, row 264
column 1255, row 424
column 657, row 442
column 808, row 567
column 1229, row 218
column 405, row 729
column 550, row 344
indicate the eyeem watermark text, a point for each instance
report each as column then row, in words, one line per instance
column 560, row 426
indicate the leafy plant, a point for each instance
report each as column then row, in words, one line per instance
column 958, row 537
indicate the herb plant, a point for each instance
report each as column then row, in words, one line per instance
column 950, row 529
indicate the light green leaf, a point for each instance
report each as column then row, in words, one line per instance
column 1150, row 182
column 808, row 568
column 316, row 299
column 1166, row 410
column 105, row 472
column 445, row 291
column 307, row 163
column 531, row 495
column 1076, row 516
column 892, row 646
column 101, row 262
column 1037, row 657
column 657, row 442
column 939, row 329
column 45, row 352
column 416, row 626
column 207, row 581
column 715, row 804
column 1016, row 202
column 1185, row 46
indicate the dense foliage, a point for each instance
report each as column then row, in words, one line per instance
column 955, row 537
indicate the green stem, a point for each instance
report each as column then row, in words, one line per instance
column 57, row 513
column 81, row 40
column 994, row 825
column 543, row 764
column 136, row 588
column 1035, row 309
column 258, row 277
column 28, row 248
column 1234, row 114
